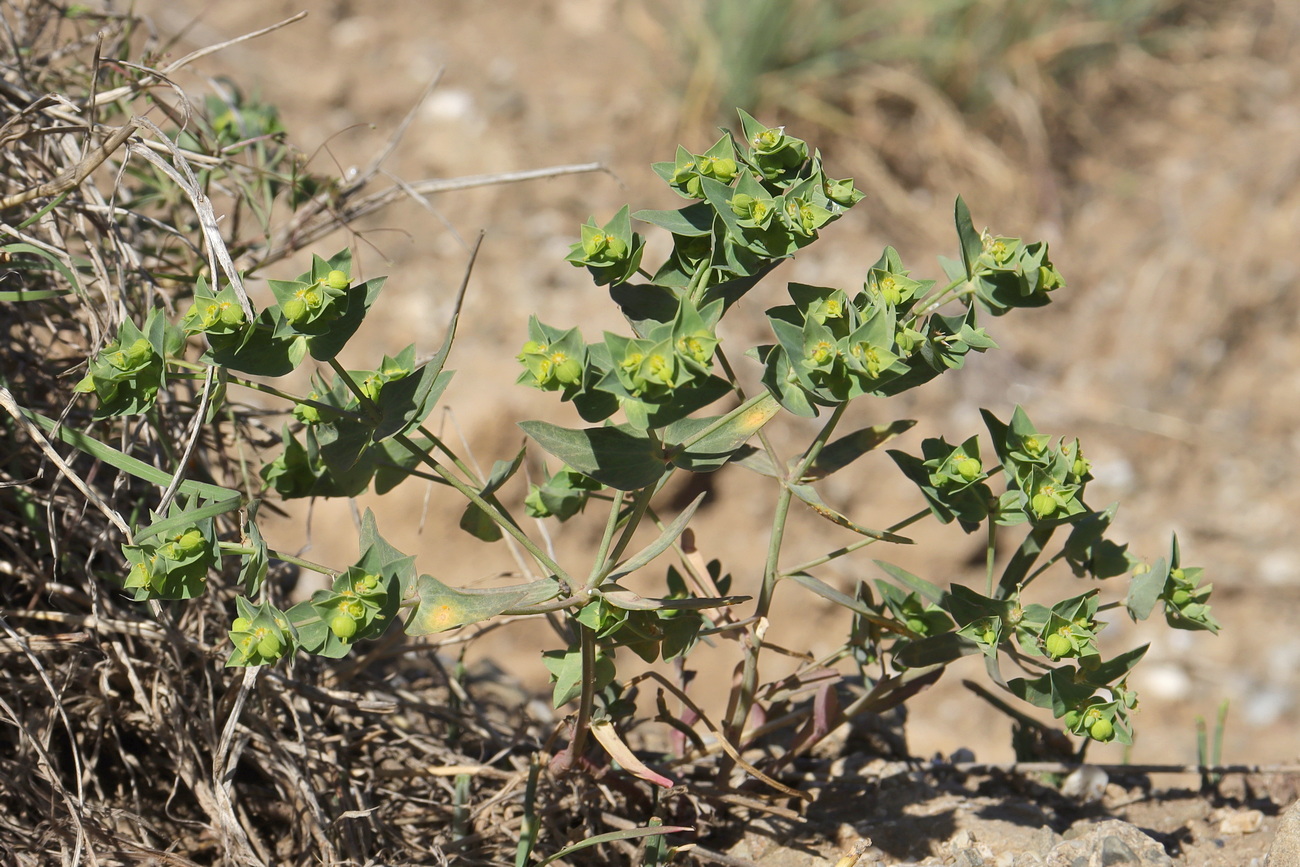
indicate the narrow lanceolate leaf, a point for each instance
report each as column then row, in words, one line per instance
column 847, row 449
column 124, row 462
column 442, row 607
column 971, row 246
column 20, row 265
column 629, row 601
column 612, row 836
column 604, row 732
column 928, row 591
column 814, row 500
column 830, row 594
column 188, row 518
column 661, row 544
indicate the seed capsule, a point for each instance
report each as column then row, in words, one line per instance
column 968, row 469
column 336, row 280
column 343, row 626
column 269, row 646
column 1057, row 645
column 241, row 624
column 1102, row 730
column 295, row 310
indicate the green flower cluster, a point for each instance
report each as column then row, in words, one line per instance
column 217, row 315
column 1004, row 272
column 1045, row 477
column 128, row 372
column 310, row 307
column 353, row 608
column 754, row 200
column 656, row 378
column 881, row 342
column 172, row 564
column 261, row 634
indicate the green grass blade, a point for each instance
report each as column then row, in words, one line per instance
column 126, row 463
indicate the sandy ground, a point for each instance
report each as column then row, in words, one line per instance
column 1168, row 186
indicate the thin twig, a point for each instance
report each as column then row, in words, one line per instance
column 11, row 406
column 128, row 89
column 72, row 177
column 195, row 430
column 295, row 237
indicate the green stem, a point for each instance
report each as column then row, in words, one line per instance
column 934, row 301
column 854, row 546
column 470, row 493
column 442, row 447
column 587, row 698
column 1051, row 561
column 639, row 506
column 816, row 446
column 201, row 370
column 771, row 572
column 502, row 520
column 364, row 399
column 990, row 555
column 243, row 550
column 602, row 552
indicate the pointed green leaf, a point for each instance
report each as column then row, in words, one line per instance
column 615, row 455
column 1056, row 690
column 360, row 299
column 692, row 221
column 847, row 449
column 1117, row 668
column 756, row 461
column 715, row 448
column 124, row 462
column 937, row 650
column 382, row 558
column 830, row 594
column 971, row 245
column 659, row 545
column 612, row 836
column 811, row 497
column 406, row 403
column 442, row 607
column 629, row 601
column 1144, row 590
column 928, row 591
column 477, row 521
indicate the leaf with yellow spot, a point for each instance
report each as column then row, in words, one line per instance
column 705, row 444
column 442, row 607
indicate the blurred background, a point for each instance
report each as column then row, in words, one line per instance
column 1154, row 143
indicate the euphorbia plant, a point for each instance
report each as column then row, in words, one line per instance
column 656, row 400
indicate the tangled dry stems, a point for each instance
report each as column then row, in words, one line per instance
column 125, row 740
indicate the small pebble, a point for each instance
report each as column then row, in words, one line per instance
column 1241, row 822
